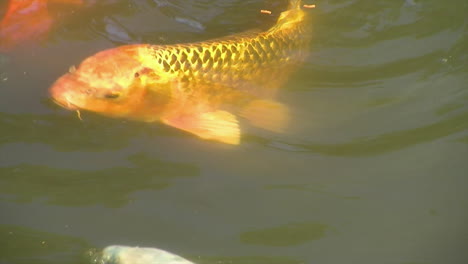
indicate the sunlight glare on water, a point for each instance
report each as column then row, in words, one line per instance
column 372, row 168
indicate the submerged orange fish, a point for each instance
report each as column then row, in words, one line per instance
column 200, row 87
column 27, row 20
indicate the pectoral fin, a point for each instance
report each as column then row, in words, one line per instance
column 218, row 125
column 267, row 114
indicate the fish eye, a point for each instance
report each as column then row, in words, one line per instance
column 112, row 95
column 137, row 74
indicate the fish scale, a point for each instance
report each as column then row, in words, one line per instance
column 235, row 59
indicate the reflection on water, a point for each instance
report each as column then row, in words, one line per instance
column 372, row 169
column 24, row 245
column 247, row 260
column 287, row 235
column 66, row 187
column 69, row 133
column 386, row 142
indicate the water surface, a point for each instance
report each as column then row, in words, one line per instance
column 374, row 168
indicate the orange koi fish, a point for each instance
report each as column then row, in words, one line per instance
column 201, row 87
column 26, row 20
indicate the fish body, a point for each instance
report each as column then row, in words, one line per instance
column 27, row 20
column 197, row 87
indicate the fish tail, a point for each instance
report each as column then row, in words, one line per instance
column 290, row 18
column 294, row 4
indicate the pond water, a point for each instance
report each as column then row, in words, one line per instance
column 373, row 168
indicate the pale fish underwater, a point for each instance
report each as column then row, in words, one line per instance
column 135, row 255
column 201, row 88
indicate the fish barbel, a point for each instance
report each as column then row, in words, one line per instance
column 197, row 87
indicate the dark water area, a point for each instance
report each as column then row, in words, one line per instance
column 373, row 168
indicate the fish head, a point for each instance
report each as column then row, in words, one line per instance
column 114, row 83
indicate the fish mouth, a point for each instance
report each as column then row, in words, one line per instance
column 63, row 92
column 65, row 104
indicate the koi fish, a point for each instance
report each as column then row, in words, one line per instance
column 27, row 20
column 136, row 255
column 201, row 87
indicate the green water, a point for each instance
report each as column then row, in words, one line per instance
column 374, row 168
